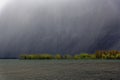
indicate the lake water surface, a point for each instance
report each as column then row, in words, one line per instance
column 59, row 69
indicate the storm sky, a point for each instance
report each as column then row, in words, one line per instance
column 58, row 26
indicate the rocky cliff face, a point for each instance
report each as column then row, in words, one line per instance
column 59, row 26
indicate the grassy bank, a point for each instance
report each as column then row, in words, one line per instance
column 101, row 54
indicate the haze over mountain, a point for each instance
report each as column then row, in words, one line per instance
column 58, row 26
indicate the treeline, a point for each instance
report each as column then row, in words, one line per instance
column 101, row 54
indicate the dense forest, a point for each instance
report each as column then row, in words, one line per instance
column 100, row 54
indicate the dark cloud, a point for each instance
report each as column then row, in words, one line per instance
column 59, row 26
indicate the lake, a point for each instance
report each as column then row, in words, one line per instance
column 59, row 69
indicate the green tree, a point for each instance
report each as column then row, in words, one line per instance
column 92, row 56
column 77, row 56
column 67, row 56
column 84, row 56
column 118, row 56
column 58, row 56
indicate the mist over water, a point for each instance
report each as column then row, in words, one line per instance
column 59, row 26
